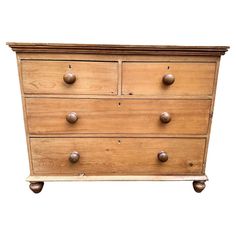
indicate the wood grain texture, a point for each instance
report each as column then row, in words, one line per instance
column 143, row 78
column 112, row 58
column 114, row 135
column 46, row 77
column 24, row 112
column 212, row 112
column 162, row 97
column 118, row 96
column 118, row 49
column 117, row 116
column 117, row 156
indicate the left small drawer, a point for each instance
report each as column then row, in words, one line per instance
column 69, row 77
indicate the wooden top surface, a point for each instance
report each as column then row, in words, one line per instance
column 118, row 49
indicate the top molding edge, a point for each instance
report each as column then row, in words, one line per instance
column 117, row 49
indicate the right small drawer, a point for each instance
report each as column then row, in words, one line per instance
column 178, row 78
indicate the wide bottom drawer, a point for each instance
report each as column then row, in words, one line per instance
column 117, row 156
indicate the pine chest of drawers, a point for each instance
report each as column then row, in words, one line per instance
column 117, row 112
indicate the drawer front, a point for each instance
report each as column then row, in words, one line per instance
column 47, row 77
column 47, row 115
column 147, row 78
column 117, row 156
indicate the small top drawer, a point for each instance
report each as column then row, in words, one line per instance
column 69, row 77
column 177, row 78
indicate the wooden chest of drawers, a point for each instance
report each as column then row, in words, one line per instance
column 117, row 112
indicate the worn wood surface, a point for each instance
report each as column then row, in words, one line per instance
column 114, row 135
column 117, row 156
column 143, row 78
column 116, row 178
column 118, row 96
column 112, row 58
column 212, row 114
column 24, row 112
column 46, row 77
column 117, row 116
column 118, row 49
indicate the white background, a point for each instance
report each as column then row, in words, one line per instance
column 118, row 208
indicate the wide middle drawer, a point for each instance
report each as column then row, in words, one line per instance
column 134, row 116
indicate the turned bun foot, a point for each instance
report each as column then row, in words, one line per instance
column 199, row 186
column 36, row 187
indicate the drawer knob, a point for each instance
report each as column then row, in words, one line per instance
column 69, row 78
column 165, row 117
column 168, row 79
column 74, row 157
column 71, row 117
column 162, row 156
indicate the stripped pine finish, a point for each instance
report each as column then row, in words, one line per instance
column 45, row 77
column 117, row 156
column 117, row 112
column 117, row 116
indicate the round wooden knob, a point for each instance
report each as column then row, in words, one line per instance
column 168, row 79
column 71, row 117
column 69, row 78
column 74, row 157
column 162, row 156
column 165, row 117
